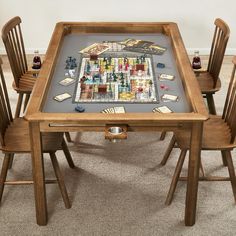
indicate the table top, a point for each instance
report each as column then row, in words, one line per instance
column 71, row 46
column 71, row 37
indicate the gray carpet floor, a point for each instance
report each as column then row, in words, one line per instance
column 120, row 189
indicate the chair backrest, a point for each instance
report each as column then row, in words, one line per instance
column 5, row 108
column 219, row 43
column 13, row 41
column 229, row 112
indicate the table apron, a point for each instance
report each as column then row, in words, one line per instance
column 70, row 127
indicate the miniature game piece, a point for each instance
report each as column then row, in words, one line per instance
column 62, row 97
column 70, row 63
column 160, row 65
column 71, row 73
column 79, row 108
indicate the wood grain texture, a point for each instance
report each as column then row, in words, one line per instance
column 135, row 122
column 23, row 78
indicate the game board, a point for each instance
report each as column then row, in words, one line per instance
column 121, row 78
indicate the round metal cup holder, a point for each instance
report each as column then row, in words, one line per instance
column 115, row 130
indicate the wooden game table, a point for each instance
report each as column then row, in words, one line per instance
column 46, row 115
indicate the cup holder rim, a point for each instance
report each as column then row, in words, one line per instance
column 115, row 130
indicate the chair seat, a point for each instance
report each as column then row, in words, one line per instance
column 216, row 135
column 206, row 82
column 17, row 138
column 26, row 83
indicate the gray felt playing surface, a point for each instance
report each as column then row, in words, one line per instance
column 73, row 43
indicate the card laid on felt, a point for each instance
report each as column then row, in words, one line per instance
column 67, row 81
column 169, row 97
column 162, row 109
column 163, row 77
column 119, row 109
column 62, row 97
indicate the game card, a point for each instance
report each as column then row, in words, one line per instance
column 62, row 97
column 162, row 109
column 119, row 109
column 114, row 110
column 96, row 49
column 163, row 77
column 67, row 81
column 169, row 97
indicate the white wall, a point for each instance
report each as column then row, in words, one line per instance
column 195, row 18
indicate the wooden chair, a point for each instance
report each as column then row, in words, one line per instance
column 218, row 134
column 24, row 79
column 14, row 138
column 209, row 80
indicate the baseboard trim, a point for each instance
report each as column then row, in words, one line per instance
column 206, row 51
column 190, row 51
column 27, row 50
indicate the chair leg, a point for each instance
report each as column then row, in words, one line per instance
column 60, row 180
column 201, row 168
column 27, row 97
column 175, row 178
column 68, row 137
column 223, row 158
column 231, row 172
column 163, row 135
column 3, row 175
column 168, row 151
column 211, row 104
column 11, row 160
column 19, row 104
column 67, row 154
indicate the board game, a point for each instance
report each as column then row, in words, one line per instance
column 116, row 77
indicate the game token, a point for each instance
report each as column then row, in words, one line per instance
column 79, row 108
column 160, row 65
column 164, row 87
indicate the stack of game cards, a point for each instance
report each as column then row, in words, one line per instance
column 114, row 110
column 162, row 109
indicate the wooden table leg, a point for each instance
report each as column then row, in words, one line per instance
column 193, row 174
column 38, row 173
